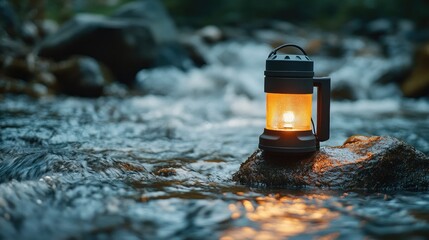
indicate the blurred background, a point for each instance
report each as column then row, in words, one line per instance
column 95, row 48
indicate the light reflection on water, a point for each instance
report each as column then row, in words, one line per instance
column 278, row 217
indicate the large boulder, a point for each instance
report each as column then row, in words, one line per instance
column 122, row 46
column 139, row 35
column 360, row 163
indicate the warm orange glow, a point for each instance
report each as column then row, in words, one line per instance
column 288, row 119
column 289, row 112
column 280, row 217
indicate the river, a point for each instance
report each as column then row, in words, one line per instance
column 158, row 165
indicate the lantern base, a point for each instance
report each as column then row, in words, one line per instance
column 283, row 142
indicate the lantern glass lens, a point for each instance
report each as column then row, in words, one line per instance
column 289, row 112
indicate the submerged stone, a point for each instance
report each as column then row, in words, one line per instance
column 372, row 163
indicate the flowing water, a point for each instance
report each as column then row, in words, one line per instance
column 159, row 165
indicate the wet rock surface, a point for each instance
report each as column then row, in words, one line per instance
column 372, row 163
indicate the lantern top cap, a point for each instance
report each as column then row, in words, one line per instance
column 289, row 57
column 289, row 65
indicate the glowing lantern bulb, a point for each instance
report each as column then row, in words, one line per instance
column 288, row 119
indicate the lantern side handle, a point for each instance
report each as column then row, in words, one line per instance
column 286, row 45
column 323, row 85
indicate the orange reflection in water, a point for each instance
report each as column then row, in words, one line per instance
column 278, row 217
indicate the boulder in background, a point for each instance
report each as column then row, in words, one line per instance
column 139, row 35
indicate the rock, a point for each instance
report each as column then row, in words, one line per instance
column 18, row 68
column 16, row 86
column 417, row 84
column 360, row 163
column 163, row 30
column 153, row 13
column 27, row 75
column 125, row 47
column 139, row 35
column 80, row 76
column 36, row 77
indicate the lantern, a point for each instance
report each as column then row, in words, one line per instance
column 289, row 82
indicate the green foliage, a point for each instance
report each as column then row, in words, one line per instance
column 327, row 13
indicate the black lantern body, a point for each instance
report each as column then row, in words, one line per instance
column 289, row 82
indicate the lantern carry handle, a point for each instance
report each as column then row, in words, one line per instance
column 323, row 85
column 286, row 45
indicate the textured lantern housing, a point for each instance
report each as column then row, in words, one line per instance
column 289, row 82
